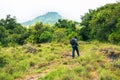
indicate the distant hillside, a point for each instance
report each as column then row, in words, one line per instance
column 50, row 17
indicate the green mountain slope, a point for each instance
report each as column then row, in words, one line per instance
column 50, row 17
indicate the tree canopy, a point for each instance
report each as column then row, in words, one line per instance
column 102, row 24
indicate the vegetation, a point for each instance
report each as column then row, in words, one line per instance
column 102, row 24
column 42, row 51
column 53, row 61
column 13, row 33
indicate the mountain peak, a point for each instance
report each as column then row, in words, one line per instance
column 51, row 13
column 49, row 17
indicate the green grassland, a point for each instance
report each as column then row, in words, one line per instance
column 52, row 61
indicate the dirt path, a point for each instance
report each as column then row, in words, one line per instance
column 49, row 67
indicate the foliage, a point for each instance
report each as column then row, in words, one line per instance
column 59, row 34
column 63, row 23
column 101, row 23
column 11, row 31
column 45, row 37
column 114, row 37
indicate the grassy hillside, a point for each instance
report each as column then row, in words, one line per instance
column 52, row 61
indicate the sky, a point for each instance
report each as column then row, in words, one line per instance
column 25, row 10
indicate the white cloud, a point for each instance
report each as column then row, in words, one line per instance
column 28, row 9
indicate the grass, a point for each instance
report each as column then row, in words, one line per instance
column 52, row 61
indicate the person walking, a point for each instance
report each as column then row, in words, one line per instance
column 74, row 44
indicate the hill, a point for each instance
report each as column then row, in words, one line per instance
column 50, row 17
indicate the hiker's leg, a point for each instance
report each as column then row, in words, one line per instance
column 73, row 50
column 77, row 51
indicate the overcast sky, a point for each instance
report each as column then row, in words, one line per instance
column 28, row 9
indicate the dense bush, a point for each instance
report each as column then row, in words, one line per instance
column 11, row 31
column 45, row 37
column 102, row 24
column 114, row 38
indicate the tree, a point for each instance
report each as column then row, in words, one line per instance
column 100, row 23
column 64, row 23
column 11, row 31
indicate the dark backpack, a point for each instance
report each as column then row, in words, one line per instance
column 73, row 41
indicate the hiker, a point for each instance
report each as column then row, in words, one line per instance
column 74, row 45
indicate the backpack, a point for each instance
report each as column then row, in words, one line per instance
column 73, row 41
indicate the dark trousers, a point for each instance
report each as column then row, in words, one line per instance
column 75, row 48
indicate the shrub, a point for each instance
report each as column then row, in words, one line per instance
column 3, row 61
column 45, row 37
column 114, row 38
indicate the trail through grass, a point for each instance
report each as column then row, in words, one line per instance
column 51, row 66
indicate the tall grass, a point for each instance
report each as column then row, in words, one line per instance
column 19, row 61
